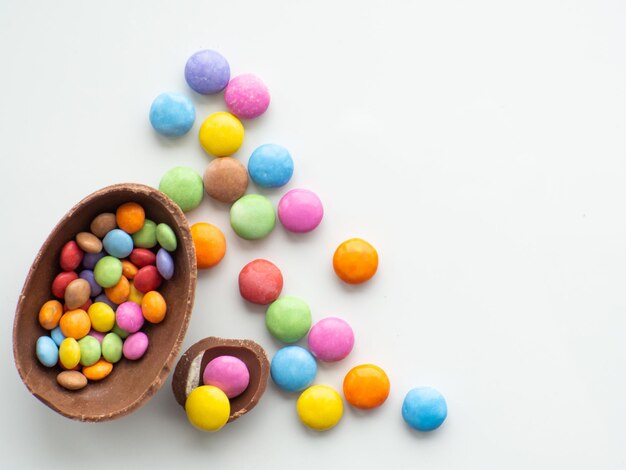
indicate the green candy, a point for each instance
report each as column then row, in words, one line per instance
column 119, row 332
column 146, row 236
column 89, row 351
column 108, row 271
column 166, row 237
column 183, row 186
column 112, row 347
column 252, row 217
column 288, row 319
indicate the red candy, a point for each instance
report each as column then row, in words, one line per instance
column 141, row 257
column 260, row 282
column 147, row 279
column 60, row 283
column 71, row 256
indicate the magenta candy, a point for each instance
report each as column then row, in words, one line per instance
column 227, row 373
column 129, row 317
column 147, row 279
column 247, row 96
column 300, row 210
column 135, row 346
column 331, row 339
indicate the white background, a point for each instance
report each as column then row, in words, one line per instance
column 480, row 146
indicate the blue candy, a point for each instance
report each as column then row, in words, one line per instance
column 424, row 409
column 87, row 275
column 165, row 264
column 172, row 114
column 118, row 243
column 270, row 166
column 90, row 259
column 293, row 368
column 47, row 351
column 57, row 336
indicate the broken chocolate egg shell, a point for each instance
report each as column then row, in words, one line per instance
column 188, row 373
column 132, row 383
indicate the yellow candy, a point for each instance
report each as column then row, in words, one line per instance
column 320, row 407
column 102, row 317
column 207, row 408
column 221, row 134
column 135, row 295
column 69, row 353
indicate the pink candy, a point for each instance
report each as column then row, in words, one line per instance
column 300, row 210
column 135, row 346
column 331, row 339
column 129, row 316
column 247, row 96
column 227, row 373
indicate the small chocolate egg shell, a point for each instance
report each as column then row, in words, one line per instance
column 131, row 384
column 188, row 372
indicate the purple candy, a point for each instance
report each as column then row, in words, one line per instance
column 90, row 259
column 96, row 334
column 87, row 275
column 300, row 210
column 165, row 264
column 227, row 373
column 207, row 72
column 106, row 300
column 129, row 316
column 135, row 346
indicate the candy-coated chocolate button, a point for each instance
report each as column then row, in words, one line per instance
column 355, row 261
column 424, row 409
column 320, row 407
column 207, row 408
column 366, row 386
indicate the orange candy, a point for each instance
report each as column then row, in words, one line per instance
column 130, row 217
column 153, row 307
column 128, row 269
column 366, row 386
column 119, row 292
column 355, row 261
column 98, row 371
column 210, row 244
column 50, row 314
column 75, row 324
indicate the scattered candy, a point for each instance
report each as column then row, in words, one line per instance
column 183, row 186
column 293, row 368
column 331, row 339
column 270, row 166
column 252, row 217
column 207, row 408
column 320, row 407
column 366, row 386
column 288, row 319
column 424, row 409
column 225, row 179
column 300, row 210
column 260, row 282
column 135, row 346
column 47, row 351
column 207, row 72
column 221, row 134
column 355, row 261
column 209, row 243
column 172, row 114
column 247, row 96
column 228, row 373
column 72, row 380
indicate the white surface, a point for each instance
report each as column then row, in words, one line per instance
column 478, row 145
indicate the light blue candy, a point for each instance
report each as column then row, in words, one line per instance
column 57, row 336
column 424, row 409
column 172, row 114
column 270, row 166
column 165, row 264
column 293, row 368
column 118, row 243
column 47, row 351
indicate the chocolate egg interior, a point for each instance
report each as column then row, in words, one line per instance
column 131, row 383
column 188, row 373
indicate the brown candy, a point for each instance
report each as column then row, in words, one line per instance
column 88, row 242
column 77, row 293
column 72, row 380
column 188, row 372
column 225, row 179
column 103, row 224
